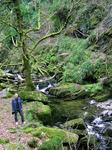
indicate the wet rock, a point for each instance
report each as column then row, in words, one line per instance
column 89, row 118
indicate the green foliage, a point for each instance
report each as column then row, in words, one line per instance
column 29, row 11
column 32, row 143
column 65, row 136
column 78, row 64
column 94, row 88
column 52, row 144
column 29, row 116
column 46, row 60
column 4, row 141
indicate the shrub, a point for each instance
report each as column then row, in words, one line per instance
column 32, row 143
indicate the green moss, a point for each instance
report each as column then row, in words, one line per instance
column 39, row 111
column 33, row 125
column 68, row 110
column 28, row 129
column 52, row 144
column 69, row 90
column 102, row 97
column 75, row 123
column 65, row 136
column 4, row 141
column 74, row 91
column 33, row 95
column 94, row 89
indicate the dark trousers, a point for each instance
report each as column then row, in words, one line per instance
column 21, row 114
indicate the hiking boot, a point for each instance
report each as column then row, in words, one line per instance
column 23, row 123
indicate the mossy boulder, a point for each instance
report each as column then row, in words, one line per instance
column 33, row 96
column 75, row 124
column 68, row 90
column 68, row 110
column 71, row 91
column 65, row 136
column 39, row 111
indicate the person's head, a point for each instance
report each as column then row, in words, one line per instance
column 16, row 95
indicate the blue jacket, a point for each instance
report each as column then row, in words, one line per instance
column 14, row 105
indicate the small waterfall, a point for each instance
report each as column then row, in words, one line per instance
column 44, row 87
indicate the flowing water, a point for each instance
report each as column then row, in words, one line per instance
column 101, row 125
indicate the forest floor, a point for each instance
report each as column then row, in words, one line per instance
column 7, row 124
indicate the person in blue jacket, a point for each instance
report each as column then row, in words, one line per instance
column 17, row 108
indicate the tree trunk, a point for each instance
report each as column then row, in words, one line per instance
column 26, row 63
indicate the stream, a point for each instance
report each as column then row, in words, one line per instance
column 100, row 125
column 99, row 122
